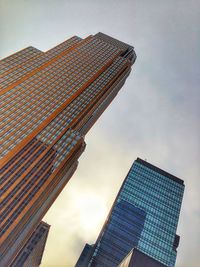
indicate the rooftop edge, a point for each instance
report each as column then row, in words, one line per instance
column 156, row 169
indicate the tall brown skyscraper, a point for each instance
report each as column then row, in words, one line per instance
column 49, row 100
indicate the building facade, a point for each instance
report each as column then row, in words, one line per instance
column 32, row 252
column 49, row 100
column 138, row 259
column 85, row 256
column 144, row 216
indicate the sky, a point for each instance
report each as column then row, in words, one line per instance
column 155, row 116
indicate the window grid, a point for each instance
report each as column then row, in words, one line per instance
column 18, row 72
column 23, row 123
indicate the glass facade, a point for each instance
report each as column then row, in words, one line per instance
column 145, row 216
column 138, row 259
column 121, row 233
column 85, row 256
column 161, row 198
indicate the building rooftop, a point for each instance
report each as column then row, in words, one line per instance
column 156, row 169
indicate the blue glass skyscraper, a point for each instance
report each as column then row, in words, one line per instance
column 144, row 216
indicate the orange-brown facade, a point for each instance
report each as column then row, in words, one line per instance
column 49, row 100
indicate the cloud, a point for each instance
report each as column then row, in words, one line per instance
column 155, row 115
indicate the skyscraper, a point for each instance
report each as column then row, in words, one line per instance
column 49, row 100
column 31, row 253
column 144, row 216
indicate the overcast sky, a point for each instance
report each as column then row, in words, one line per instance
column 155, row 115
